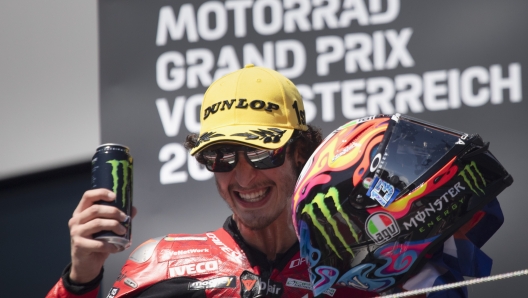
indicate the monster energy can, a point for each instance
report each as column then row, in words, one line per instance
column 112, row 169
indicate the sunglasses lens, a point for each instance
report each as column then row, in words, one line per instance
column 218, row 160
column 224, row 159
column 266, row 159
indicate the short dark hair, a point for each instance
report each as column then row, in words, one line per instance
column 304, row 141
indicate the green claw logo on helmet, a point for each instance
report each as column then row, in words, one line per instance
column 468, row 172
column 319, row 202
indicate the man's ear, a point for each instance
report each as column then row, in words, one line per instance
column 298, row 159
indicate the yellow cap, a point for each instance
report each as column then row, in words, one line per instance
column 254, row 106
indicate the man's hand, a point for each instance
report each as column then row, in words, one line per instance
column 88, row 255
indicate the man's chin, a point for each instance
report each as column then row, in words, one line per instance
column 256, row 223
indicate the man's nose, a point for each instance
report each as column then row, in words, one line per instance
column 244, row 172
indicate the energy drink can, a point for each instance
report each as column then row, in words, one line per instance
column 112, row 167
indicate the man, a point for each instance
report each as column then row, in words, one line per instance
column 255, row 139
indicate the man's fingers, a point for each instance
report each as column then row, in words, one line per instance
column 84, row 245
column 98, row 211
column 134, row 211
column 97, row 225
column 91, row 196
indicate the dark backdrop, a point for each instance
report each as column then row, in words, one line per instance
column 35, row 241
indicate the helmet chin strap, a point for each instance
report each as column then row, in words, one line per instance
column 458, row 284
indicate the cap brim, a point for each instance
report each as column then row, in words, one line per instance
column 250, row 135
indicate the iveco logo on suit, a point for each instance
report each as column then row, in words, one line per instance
column 255, row 104
column 196, row 268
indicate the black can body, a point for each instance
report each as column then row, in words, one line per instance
column 112, row 167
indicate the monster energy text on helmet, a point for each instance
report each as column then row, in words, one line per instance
column 381, row 192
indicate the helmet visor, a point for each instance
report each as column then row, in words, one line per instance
column 409, row 150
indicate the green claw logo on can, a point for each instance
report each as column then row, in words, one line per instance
column 115, row 167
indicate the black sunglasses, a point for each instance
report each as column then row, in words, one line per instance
column 224, row 158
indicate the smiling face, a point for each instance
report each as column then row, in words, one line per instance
column 258, row 197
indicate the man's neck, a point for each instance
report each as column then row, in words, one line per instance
column 274, row 239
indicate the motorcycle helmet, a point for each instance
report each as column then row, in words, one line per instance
column 381, row 193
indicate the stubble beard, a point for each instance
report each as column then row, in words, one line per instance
column 255, row 220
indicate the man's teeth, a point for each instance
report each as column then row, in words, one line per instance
column 253, row 196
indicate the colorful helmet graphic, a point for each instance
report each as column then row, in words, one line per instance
column 380, row 193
